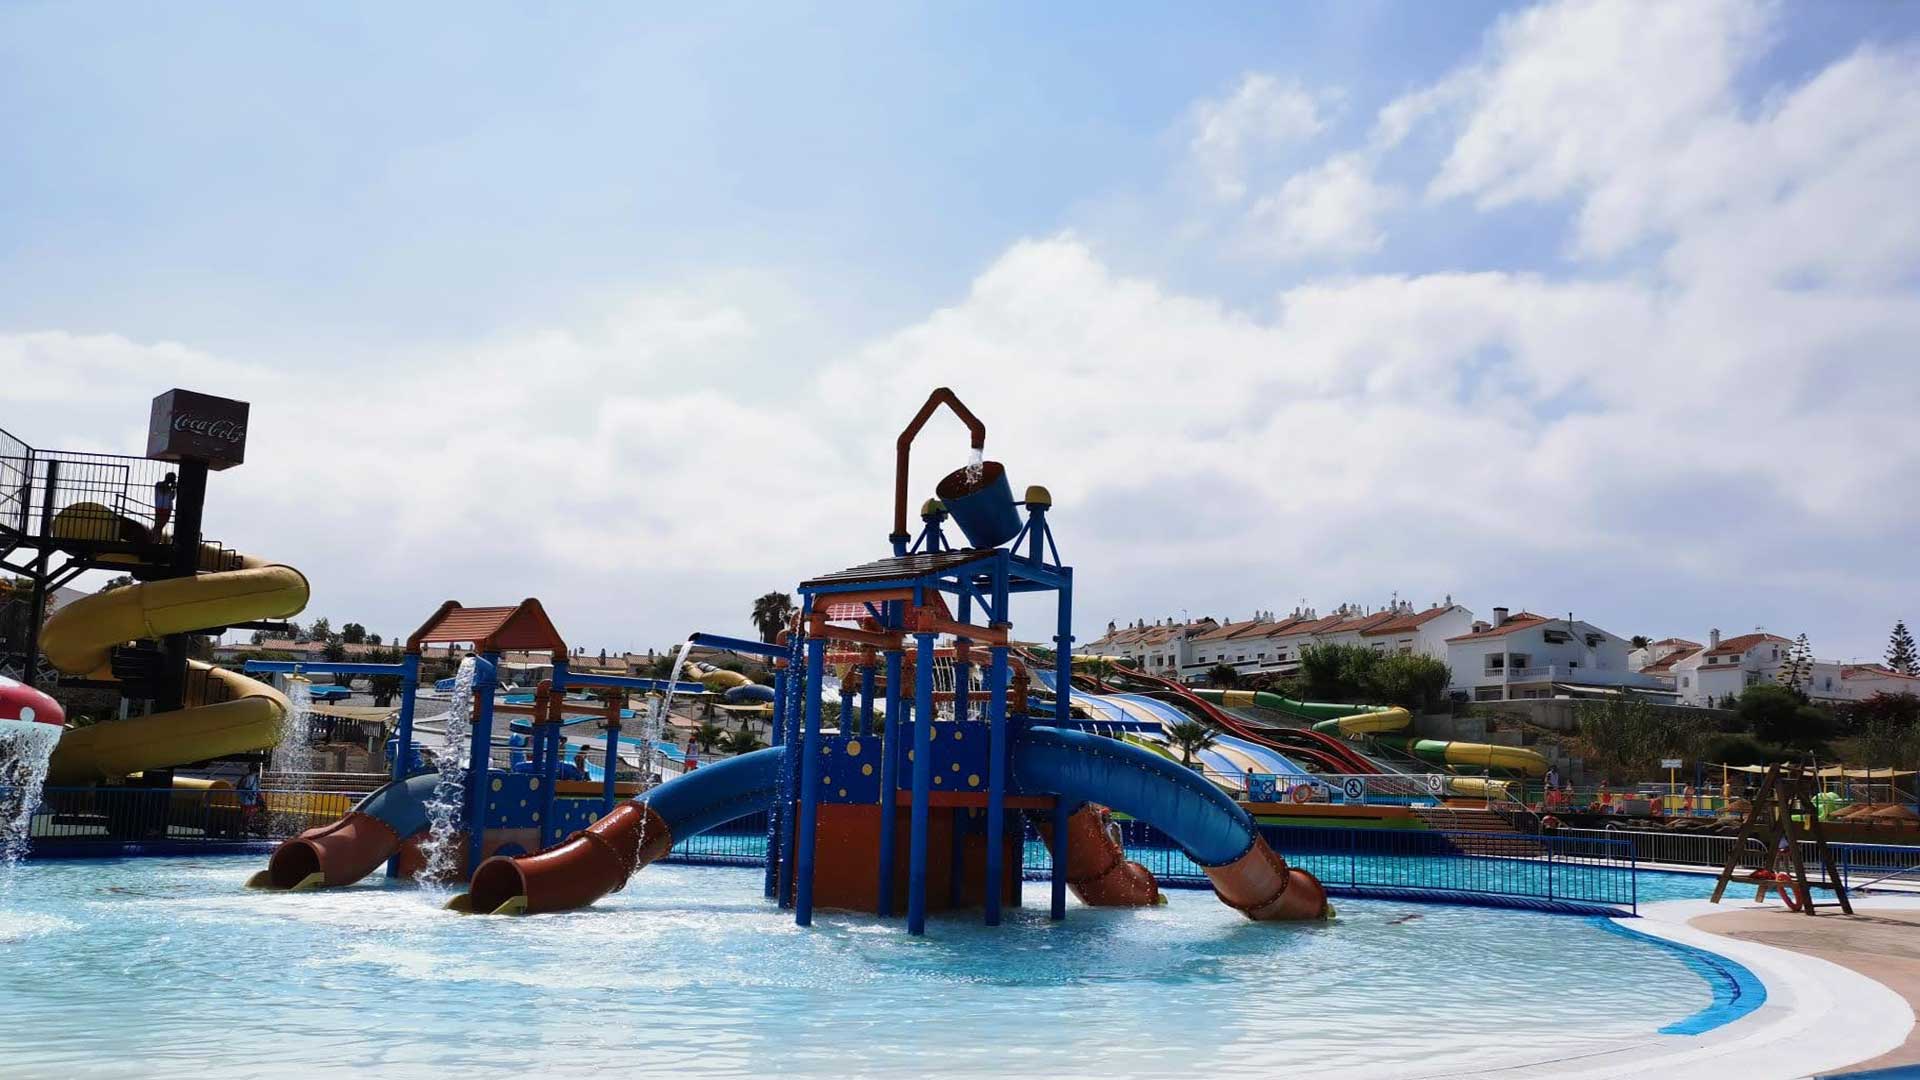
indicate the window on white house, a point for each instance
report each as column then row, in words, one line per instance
column 1486, row 693
column 1685, row 681
column 1520, row 660
column 1380, row 646
column 1496, row 662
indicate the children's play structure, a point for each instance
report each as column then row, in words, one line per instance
column 916, row 793
column 916, row 798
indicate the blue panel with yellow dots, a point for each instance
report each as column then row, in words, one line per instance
column 850, row 765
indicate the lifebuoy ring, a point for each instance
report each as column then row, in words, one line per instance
column 1791, row 897
column 1301, row 793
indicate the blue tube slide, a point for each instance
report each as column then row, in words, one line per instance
column 1178, row 801
column 352, row 847
column 401, row 804
column 715, row 794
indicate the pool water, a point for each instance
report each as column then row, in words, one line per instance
column 169, row 968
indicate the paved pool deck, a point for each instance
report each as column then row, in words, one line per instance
column 1878, row 941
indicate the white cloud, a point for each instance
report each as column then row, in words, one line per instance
column 1262, row 113
column 1713, row 424
column 1331, row 209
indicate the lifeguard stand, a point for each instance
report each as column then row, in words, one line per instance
column 940, row 751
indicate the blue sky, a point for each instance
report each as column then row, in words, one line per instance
column 1463, row 298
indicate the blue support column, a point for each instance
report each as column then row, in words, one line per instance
column 1064, row 708
column 549, row 770
column 409, row 686
column 480, row 761
column 996, row 781
column 403, row 742
column 889, row 781
column 866, row 700
column 609, row 772
column 782, row 798
column 922, row 783
column 796, row 718
column 809, row 786
column 962, row 662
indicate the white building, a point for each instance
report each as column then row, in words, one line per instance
column 1725, row 667
column 1662, row 654
column 1161, row 648
column 1857, row 682
column 1264, row 645
column 1524, row 655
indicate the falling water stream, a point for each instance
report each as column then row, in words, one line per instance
column 25, row 750
column 293, row 754
column 441, row 847
column 976, row 464
column 651, row 730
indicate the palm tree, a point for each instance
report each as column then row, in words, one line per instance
column 1223, row 676
column 770, row 614
column 1190, row 737
column 708, row 736
column 743, row 742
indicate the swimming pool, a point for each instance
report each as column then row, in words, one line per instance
column 168, row 968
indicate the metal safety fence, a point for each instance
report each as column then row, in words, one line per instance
column 1860, row 865
column 109, row 815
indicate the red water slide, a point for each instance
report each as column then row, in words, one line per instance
column 1329, row 752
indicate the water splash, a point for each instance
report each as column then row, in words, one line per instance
column 651, row 728
column 25, row 750
column 293, row 754
column 976, row 465
column 441, row 848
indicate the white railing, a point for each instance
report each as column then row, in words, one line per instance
column 1599, row 676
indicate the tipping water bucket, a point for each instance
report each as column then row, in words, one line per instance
column 981, row 503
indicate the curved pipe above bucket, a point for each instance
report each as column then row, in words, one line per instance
column 903, row 449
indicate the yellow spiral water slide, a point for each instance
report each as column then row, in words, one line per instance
column 225, row 712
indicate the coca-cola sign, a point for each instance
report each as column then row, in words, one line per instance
column 210, row 427
column 189, row 426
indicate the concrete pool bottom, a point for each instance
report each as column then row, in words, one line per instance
column 1818, row 1016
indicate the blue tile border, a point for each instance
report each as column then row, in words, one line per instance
column 1736, row 990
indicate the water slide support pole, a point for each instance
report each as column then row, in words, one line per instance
column 922, row 783
column 809, row 786
column 889, row 780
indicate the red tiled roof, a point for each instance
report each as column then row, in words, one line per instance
column 1680, row 641
column 1410, row 621
column 1519, row 620
column 1665, row 664
column 522, row 626
column 1734, row 646
column 1874, row 671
